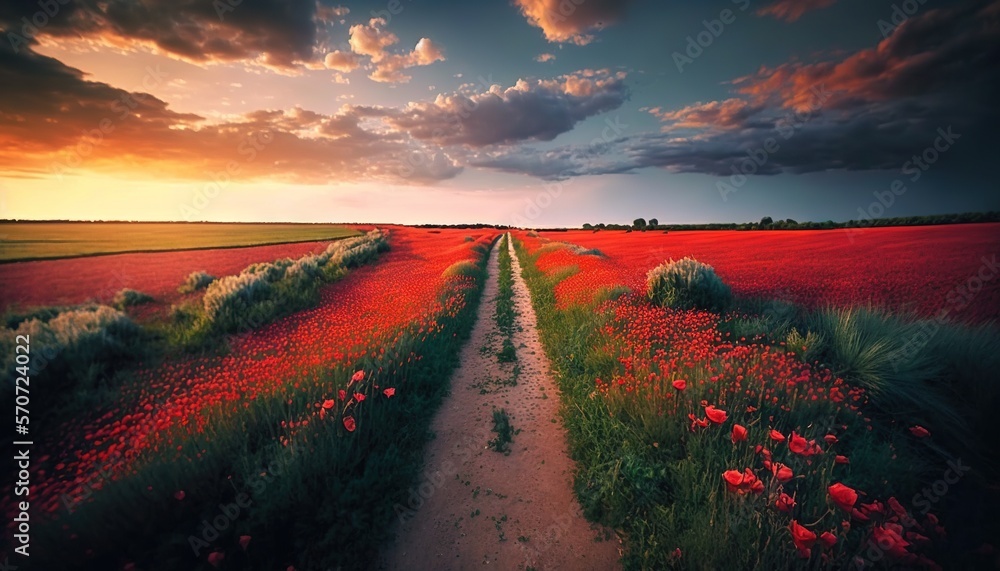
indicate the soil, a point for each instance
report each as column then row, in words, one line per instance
column 475, row 507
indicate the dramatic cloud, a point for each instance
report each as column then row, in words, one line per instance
column 934, row 78
column 538, row 110
column 570, row 21
column 792, row 10
column 728, row 114
column 53, row 121
column 373, row 40
column 278, row 33
column 342, row 61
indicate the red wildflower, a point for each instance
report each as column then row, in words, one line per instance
column 718, row 416
column 328, row 404
column 742, row 483
column 785, row 503
column 843, row 496
column 828, row 539
column 841, row 459
column 695, row 422
column 389, row 392
column 889, row 538
column 739, row 433
column 802, row 538
column 358, row 376
column 777, row 436
column 342, row 394
column 830, row 439
column 179, row 495
column 244, row 541
column 359, row 397
column 781, row 472
column 799, row 445
column 680, row 384
column 919, row 431
column 215, row 558
column 349, row 423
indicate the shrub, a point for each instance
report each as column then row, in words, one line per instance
column 196, row 281
column 687, row 284
column 73, row 349
column 129, row 297
column 463, row 268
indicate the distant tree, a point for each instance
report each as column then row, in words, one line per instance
column 639, row 223
column 588, row 226
column 602, row 225
column 791, row 222
column 766, row 221
column 654, row 222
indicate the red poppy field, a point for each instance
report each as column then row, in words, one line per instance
column 844, row 425
column 832, row 410
column 326, row 391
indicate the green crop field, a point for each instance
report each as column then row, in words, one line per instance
column 36, row 240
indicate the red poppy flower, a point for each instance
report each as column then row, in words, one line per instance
column 802, row 538
column 785, row 503
column 830, row 439
column 328, row 404
column 359, row 397
column 919, row 431
column 733, row 478
column 696, row 422
column 781, row 472
column 389, row 392
column 739, row 433
column 680, row 384
column 349, row 423
column 888, row 537
column 718, row 416
column 244, row 541
column 342, row 394
column 843, row 496
column 358, row 376
column 799, row 445
column 179, row 495
column 215, row 558
column 742, row 483
column 828, row 539
column 777, row 436
column 841, row 459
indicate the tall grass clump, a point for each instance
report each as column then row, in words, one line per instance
column 687, row 284
column 72, row 350
column 265, row 291
column 129, row 297
column 195, row 281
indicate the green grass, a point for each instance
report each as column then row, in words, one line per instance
column 505, row 432
column 505, row 314
column 41, row 240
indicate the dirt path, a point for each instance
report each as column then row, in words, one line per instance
column 475, row 507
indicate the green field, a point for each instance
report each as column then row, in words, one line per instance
column 38, row 240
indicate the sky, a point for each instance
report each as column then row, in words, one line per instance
column 533, row 113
